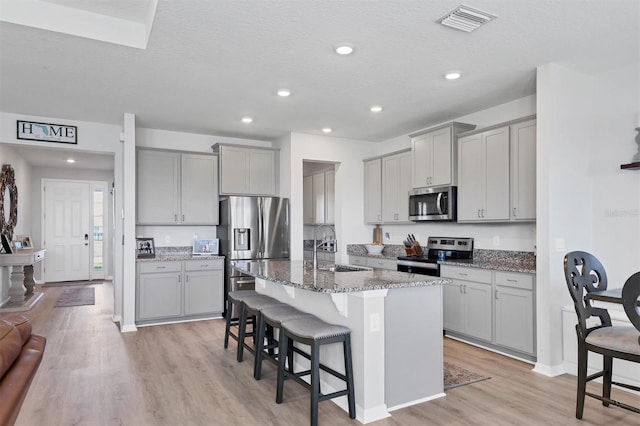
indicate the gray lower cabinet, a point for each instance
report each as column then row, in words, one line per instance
column 179, row 290
column 468, row 302
column 491, row 307
column 514, row 303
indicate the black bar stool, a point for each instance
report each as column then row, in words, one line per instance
column 234, row 298
column 250, row 309
column 270, row 320
column 314, row 332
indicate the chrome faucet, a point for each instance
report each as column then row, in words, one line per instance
column 316, row 245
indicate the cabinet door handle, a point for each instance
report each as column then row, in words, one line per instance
column 514, row 212
column 496, row 295
column 479, row 213
column 511, row 280
column 461, row 289
column 379, row 217
column 175, row 217
column 179, row 278
column 464, row 274
column 183, row 218
column 186, row 278
column 482, row 210
column 160, row 267
column 465, row 289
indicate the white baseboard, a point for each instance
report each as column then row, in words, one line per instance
column 127, row 328
column 549, row 370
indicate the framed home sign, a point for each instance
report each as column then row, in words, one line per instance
column 47, row 132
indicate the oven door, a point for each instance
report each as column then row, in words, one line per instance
column 415, row 267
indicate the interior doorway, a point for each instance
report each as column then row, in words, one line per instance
column 73, row 229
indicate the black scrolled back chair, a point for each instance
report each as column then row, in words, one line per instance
column 630, row 294
column 585, row 273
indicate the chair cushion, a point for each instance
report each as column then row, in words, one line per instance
column 239, row 295
column 278, row 314
column 259, row 302
column 311, row 327
column 621, row 339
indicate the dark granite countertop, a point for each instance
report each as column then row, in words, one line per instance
column 498, row 260
column 168, row 254
column 300, row 275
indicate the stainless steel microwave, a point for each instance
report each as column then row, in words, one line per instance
column 433, row 203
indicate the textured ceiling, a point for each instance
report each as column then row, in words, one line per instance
column 209, row 63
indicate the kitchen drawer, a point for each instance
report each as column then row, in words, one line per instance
column 514, row 279
column 391, row 264
column 204, row 264
column 358, row 260
column 151, row 267
column 467, row 274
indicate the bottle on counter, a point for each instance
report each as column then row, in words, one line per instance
column 377, row 235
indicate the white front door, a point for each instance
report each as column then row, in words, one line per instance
column 67, row 232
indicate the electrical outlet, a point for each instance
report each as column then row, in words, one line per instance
column 387, row 236
column 374, row 322
column 167, row 239
column 496, row 240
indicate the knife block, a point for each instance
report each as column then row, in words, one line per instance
column 415, row 250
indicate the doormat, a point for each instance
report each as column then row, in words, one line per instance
column 77, row 297
column 455, row 376
column 71, row 283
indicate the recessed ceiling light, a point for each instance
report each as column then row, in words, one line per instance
column 375, row 108
column 284, row 92
column 247, row 119
column 70, row 160
column 452, row 75
column 344, row 49
column 327, row 130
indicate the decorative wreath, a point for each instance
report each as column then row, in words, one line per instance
column 8, row 183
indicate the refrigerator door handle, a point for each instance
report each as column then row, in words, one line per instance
column 260, row 228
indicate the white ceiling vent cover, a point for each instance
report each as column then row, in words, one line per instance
column 465, row 18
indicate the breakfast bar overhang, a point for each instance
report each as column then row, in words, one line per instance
column 396, row 328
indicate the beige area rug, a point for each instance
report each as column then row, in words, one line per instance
column 72, row 283
column 455, row 376
column 77, row 297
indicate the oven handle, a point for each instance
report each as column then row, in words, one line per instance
column 422, row 265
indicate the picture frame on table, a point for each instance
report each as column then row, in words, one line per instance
column 7, row 247
column 145, row 248
column 25, row 241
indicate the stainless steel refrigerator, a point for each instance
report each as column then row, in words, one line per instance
column 252, row 228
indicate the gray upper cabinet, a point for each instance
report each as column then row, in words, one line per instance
column 497, row 173
column 372, row 191
column 176, row 188
column 483, row 181
column 434, row 155
column 523, row 171
column 396, row 184
column 247, row 171
column 319, row 198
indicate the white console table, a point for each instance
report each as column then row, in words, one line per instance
column 21, row 263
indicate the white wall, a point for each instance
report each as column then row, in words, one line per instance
column 349, row 184
column 585, row 131
column 22, row 173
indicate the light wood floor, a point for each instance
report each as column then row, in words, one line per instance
column 179, row 374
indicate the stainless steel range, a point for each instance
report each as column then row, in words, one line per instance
column 438, row 248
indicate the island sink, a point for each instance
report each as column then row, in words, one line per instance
column 342, row 268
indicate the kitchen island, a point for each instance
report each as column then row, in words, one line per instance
column 396, row 328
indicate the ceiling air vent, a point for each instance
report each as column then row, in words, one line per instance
column 465, row 18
